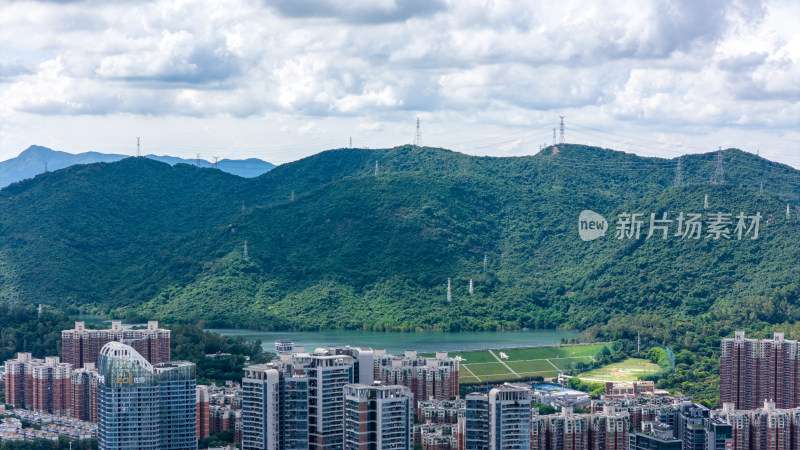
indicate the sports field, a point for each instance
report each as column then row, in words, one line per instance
column 513, row 364
column 629, row 370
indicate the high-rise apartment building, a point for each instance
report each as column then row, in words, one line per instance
column 83, row 398
column 609, row 429
column 15, row 380
column 221, row 418
column 378, row 417
column 658, row 436
column 768, row 427
column 440, row 411
column 568, row 431
column 294, row 407
column 81, row 345
column 428, row 378
column 752, row 370
column 39, row 384
column 51, row 386
column 142, row 405
column 298, row 402
column 499, row 419
column 202, row 408
column 328, row 371
column 260, row 408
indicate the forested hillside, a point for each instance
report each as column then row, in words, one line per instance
column 333, row 244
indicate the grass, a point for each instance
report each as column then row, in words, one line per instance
column 483, row 366
column 629, row 370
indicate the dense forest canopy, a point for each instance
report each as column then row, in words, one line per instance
column 333, row 245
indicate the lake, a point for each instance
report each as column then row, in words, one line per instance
column 398, row 342
column 426, row 342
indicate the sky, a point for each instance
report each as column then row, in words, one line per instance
column 284, row 79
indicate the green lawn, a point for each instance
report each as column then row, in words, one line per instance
column 489, row 369
column 474, row 357
column 629, row 370
column 482, row 366
column 569, row 363
column 535, row 366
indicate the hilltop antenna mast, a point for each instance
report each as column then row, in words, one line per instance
column 719, row 174
column 679, row 174
column 216, row 161
column 138, row 153
column 198, row 160
column 418, row 136
column 449, row 292
column 351, row 142
column 471, row 288
column 244, row 252
column 562, row 130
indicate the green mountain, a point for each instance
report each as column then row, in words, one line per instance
column 332, row 244
column 37, row 159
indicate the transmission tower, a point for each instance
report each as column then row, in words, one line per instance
column 376, row 168
column 679, row 174
column 485, row 262
column 562, row 130
column 216, row 161
column 788, row 212
column 554, row 136
column 449, row 292
column 719, row 174
column 39, row 312
column 471, row 288
column 138, row 153
column 244, row 252
column 198, row 160
column 761, row 189
column 418, row 136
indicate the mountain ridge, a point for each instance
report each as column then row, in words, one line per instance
column 37, row 159
column 332, row 245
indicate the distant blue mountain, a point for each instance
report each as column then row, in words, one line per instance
column 36, row 159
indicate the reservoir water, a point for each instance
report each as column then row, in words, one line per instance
column 426, row 342
column 398, row 342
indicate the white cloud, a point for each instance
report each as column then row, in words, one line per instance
column 674, row 67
